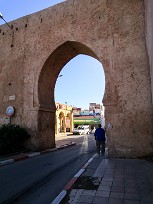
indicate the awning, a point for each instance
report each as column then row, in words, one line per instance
column 89, row 121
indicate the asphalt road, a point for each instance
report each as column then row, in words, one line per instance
column 40, row 179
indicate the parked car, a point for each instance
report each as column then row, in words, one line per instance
column 80, row 130
column 92, row 131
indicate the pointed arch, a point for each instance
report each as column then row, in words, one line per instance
column 54, row 64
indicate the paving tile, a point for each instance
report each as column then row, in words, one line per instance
column 127, row 176
column 86, row 199
column 98, row 175
column 130, row 173
column 111, row 164
column 131, row 190
column 132, row 196
column 100, row 200
column 77, row 195
column 101, row 169
column 118, row 189
column 79, row 192
column 106, row 183
column 89, row 192
column 119, row 176
column 104, row 188
column 110, row 168
column 116, row 195
column 118, row 183
column 109, row 171
column 120, row 171
column 89, row 172
column 71, row 200
column 103, row 193
column 109, row 175
column 73, row 192
column 119, row 179
column 130, row 180
column 115, row 201
column 132, row 202
column 130, row 185
column 80, row 203
column 107, row 178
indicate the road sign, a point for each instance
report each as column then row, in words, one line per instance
column 10, row 111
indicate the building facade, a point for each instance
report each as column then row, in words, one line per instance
column 64, row 118
column 92, row 117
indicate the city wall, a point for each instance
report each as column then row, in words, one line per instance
column 33, row 53
column 149, row 35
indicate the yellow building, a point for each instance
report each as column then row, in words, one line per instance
column 64, row 118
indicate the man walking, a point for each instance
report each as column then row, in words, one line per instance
column 100, row 139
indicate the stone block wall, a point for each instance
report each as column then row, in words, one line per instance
column 149, row 36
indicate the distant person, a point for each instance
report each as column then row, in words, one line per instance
column 100, row 139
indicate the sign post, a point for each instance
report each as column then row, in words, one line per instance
column 10, row 112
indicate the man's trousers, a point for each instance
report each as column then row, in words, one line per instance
column 100, row 147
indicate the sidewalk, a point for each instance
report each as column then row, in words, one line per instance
column 113, row 181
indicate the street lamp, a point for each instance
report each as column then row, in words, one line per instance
column 60, row 75
column 1, row 16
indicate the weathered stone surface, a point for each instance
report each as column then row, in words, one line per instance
column 33, row 53
column 149, row 35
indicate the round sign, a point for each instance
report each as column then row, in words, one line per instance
column 10, row 111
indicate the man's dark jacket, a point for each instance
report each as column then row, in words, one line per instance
column 100, row 134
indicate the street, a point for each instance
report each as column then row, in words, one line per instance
column 40, row 179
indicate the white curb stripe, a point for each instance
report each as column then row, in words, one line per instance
column 90, row 160
column 34, row 154
column 7, row 161
column 79, row 173
column 94, row 156
column 58, row 199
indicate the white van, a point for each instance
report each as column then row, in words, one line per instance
column 81, row 129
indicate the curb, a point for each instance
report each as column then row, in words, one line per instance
column 63, row 193
column 19, row 158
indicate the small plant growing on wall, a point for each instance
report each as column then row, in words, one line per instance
column 12, row 138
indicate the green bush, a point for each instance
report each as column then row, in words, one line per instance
column 12, row 138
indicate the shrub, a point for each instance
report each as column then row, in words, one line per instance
column 12, row 138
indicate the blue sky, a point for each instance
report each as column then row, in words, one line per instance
column 82, row 82
column 13, row 9
column 83, row 78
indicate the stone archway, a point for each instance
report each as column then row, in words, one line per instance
column 46, row 84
